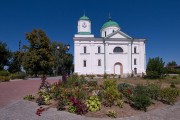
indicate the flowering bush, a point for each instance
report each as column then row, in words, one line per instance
column 81, row 108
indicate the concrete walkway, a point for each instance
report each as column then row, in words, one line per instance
column 13, row 107
column 25, row 110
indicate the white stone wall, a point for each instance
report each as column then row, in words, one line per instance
column 82, row 29
column 108, row 31
column 92, row 56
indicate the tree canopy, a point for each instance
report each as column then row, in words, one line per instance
column 155, row 68
column 15, row 62
column 5, row 55
column 38, row 58
column 172, row 63
column 63, row 61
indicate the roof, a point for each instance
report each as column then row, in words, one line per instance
column 110, row 23
column 84, row 18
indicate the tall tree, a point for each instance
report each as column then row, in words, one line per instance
column 5, row 55
column 38, row 58
column 155, row 68
column 15, row 62
column 172, row 63
column 63, row 61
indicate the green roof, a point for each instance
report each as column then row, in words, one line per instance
column 110, row 23
column 84, row 18
column 84, row 33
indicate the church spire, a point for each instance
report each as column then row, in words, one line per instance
column 109, row 17
column 84, row 13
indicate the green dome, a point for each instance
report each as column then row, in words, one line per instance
column 84, row 18
column 110, row 23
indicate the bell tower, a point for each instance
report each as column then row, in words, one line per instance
column 84, row 27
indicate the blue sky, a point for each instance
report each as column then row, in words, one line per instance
column 156, row 20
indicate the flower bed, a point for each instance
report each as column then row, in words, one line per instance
column 79, row 96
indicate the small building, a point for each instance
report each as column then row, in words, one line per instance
column 114, row 52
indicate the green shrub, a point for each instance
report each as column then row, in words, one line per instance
column 169, row 95
column 4, row 78
column 140, row 90
column 173, row 85
column 119, row 103
column 91, row 76
column 141, row 102
column 18, row 75
column 79, row 93
column 127, row 91
column 29, row 97
column 153, row 90
column 111, row 95
column 172, row 71
column 123, row 86
column 71, row 109
column 110, row 83
column 61, row 104
column 92, row 83
column 93, row 104
column 105, row 76
column 4, row 73
column 111, row 113
column 73, row 80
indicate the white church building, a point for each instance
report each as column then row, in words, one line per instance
column 114, row 52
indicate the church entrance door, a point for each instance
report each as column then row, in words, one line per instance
column 118, row 68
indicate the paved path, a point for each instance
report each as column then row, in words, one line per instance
column 17, row 89
column 25, row 110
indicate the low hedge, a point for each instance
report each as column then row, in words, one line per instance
column 4, row 78
column 4, row 73
column 169, row 95
column 19, row 75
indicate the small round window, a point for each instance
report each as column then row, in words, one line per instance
column 117, row 50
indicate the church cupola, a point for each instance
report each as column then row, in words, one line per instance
column 84, row 27
column 109, row 27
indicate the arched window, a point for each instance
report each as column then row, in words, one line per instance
column 117, row 50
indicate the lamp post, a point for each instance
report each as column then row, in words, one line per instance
column 57, row 66
column 57, row 49
column 64, row 73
